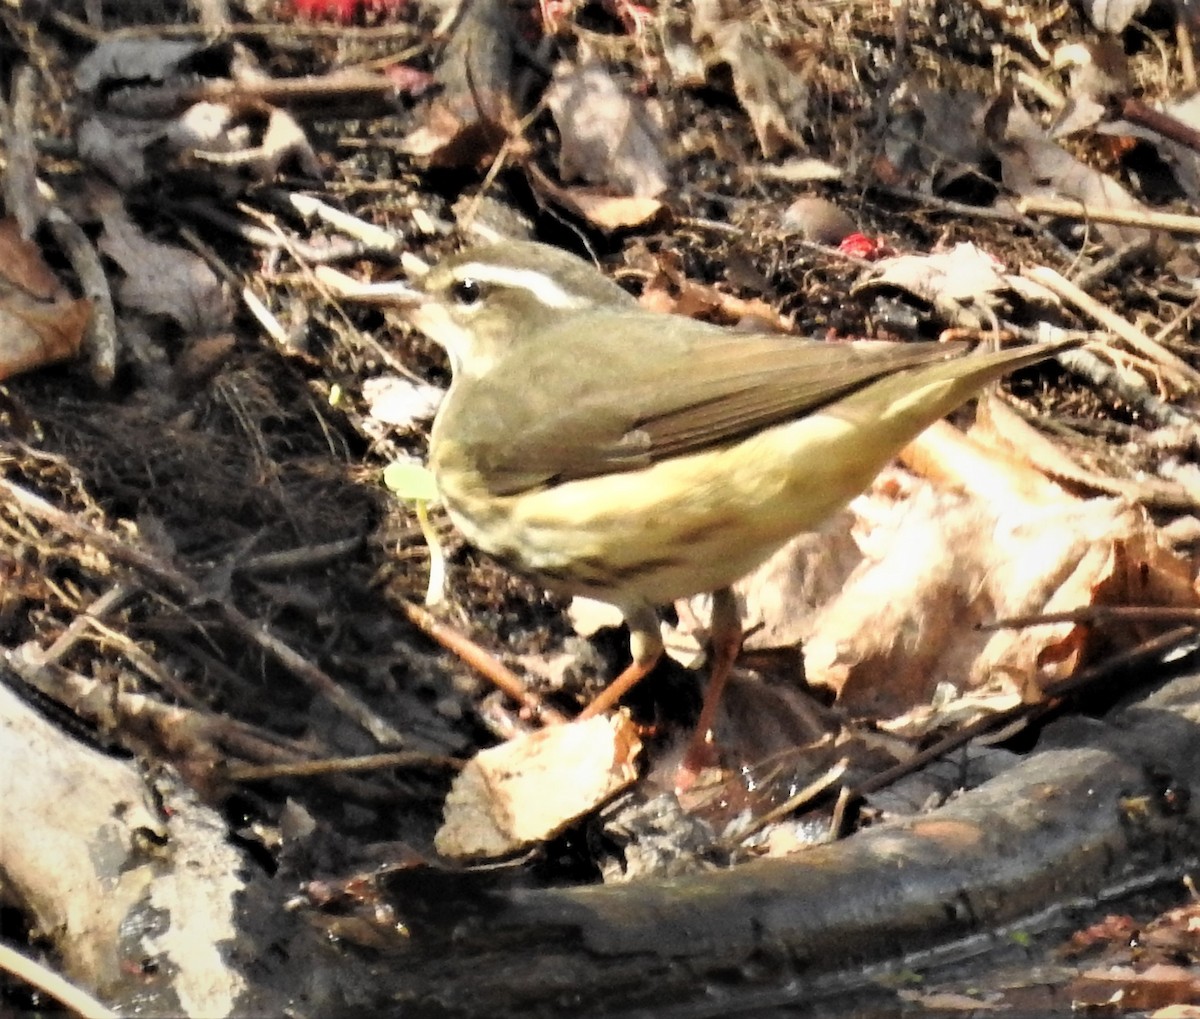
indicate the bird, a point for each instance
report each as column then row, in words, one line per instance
column 636, row 457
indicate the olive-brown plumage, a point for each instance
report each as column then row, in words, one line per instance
column 637, row 457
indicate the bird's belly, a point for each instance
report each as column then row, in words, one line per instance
column 682, row 526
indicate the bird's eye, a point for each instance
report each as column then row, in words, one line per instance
column 467, row 292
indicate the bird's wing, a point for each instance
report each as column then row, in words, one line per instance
column 640, row 394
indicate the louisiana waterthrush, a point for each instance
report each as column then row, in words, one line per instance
column 636, row 457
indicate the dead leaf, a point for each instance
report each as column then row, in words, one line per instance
column 207, row 127
column 36, row 333
column 532, row 787
column 946, row 1001
column 602, row 210
column 137, row 61
column 201, row 360
column 474, row 114
column 1034, row 166
column 1097, row 69
column 283, row 142
column 933, row 137
column 1115, row 15
column 160, row 279
column 774, row 97
column 1157, row 986
column 668, row 290
column 683, row 60
column 608, row 138
column 966, row 284
column 40, row 323
column 1183, row 160
column 116, row 146
column 885, row 601
column 21, row 264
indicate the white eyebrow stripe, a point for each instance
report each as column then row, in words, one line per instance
column 537, row 283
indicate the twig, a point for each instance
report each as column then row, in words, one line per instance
column 486, row 665
column 372, row 237
column 810, row 792
column 1129, row 389
column 1185, row 48
column 1101, row 614
column 189, row 590
column 23, row 197
column 1148, row 651
column 298, row 558
column 1139, row 113
column 1173, row 325
column 1186, row 377
column 101, row 339
column 1102, row 268
column 198, row 741
column 339, row 765
column 36, row 975
column 1007, row 215
column 271, row 238
column 110, row 601
column 295, row 30
column 365, row 93
column 1172, row 222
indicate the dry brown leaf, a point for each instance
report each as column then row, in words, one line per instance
column 117, row 61
column 35, row 333
column 1183, row 160
column 967, row 284
column 975, row 464
column 21, row 264
column 608, row 138
column 532, row 787
column 885, row 600
column 933, row 136
column 933, row 567
column 473, row 115
column 160, row 279
column 117, row 146
column 283, row 142
column 1097, row 69
column 602, row 210
column 40, row 323
column 945, row 1001
column 669, row 290
column 774, row 97
column 1035, row 166
column 1115, row 15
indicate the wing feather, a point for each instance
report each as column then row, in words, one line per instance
column 642, row 392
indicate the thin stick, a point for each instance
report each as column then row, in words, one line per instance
column 238, row 31
column 1172, row 222
column 36, row 975
column 486, row 665
column 338, row 765
column 1187, row 376
column 1150, row 650
column 189, row 590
